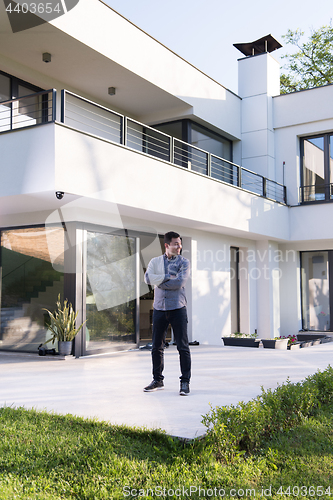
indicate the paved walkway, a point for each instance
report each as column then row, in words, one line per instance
column 109, row 387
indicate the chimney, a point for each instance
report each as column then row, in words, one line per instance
column 258, row 82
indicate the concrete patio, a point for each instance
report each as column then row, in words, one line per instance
column 110, row 386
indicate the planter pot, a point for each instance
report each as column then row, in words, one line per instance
column 241, row 342
column 310, row 336
column 324, row 340
column 275, row 343
column 292, row 347
column 65, row 347
column 306, row 344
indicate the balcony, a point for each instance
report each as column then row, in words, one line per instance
column 93, row 119
column 316, row 193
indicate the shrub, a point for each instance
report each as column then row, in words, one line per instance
column 322, row 383
column 288, row 405
column 235, row 430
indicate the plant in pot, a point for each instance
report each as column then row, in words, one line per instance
column 293, row 342
column 241, row 339
column 276, row 343
column 62, row 326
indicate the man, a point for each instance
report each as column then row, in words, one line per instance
column 169, row 273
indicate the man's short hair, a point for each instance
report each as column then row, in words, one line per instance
column 168, row 237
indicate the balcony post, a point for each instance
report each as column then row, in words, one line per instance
column 54, row 105
column 239, row 180
column 172, row 149
column 124, row 137
column 63, row 106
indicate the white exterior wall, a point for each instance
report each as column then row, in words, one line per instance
column 298, row 114
column 27, row 161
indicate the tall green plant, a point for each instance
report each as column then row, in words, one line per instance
column 63, row 322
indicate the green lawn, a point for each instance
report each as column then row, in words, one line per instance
column 47, row 456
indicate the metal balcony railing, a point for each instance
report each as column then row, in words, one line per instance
column 92, row 118
column 316, row 192
column 27, row 111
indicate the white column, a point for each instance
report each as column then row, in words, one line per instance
column 267, row 274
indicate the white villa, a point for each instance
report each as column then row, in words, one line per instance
column 108, row 140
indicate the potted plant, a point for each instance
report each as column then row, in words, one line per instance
column 62, row 326
column 241, row 339
column 276, row 343
column 293, row 342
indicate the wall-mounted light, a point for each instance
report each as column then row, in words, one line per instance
column 46, row 57
column 112, row 90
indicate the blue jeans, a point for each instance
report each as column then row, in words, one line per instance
column 177, row 318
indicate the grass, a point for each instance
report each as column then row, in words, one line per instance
column 47, row 456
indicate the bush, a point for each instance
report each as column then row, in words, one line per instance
column 288, row 405
column 322, row 382
column 235, row 430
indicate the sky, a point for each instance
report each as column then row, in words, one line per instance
column 203, row 31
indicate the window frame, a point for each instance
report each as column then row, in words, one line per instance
column 327, row 174
column 14, row 85
column 187, row 133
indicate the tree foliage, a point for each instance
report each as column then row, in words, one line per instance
column 312, row 64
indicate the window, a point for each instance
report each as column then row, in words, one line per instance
column 199, row 136
column 32, row 277
column 316, row 278
column 316, row 168
column 204, row 141
column 211, row 142
column 28, row 111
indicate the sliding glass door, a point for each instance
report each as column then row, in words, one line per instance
column 317, row 273
column 110, row 291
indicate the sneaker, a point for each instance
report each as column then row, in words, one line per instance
column 154, row 386
column 184, row 388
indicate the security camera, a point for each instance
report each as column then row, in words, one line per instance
column 59, row 195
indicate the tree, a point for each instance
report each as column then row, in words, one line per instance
column 312, row 65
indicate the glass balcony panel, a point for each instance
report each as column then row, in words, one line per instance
column 92, row 119
column 27, row 111
column 224, row 171
column 148, row 140
column 5, row 117
column 275, row 191
column 252, row 182
column 190, row 157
